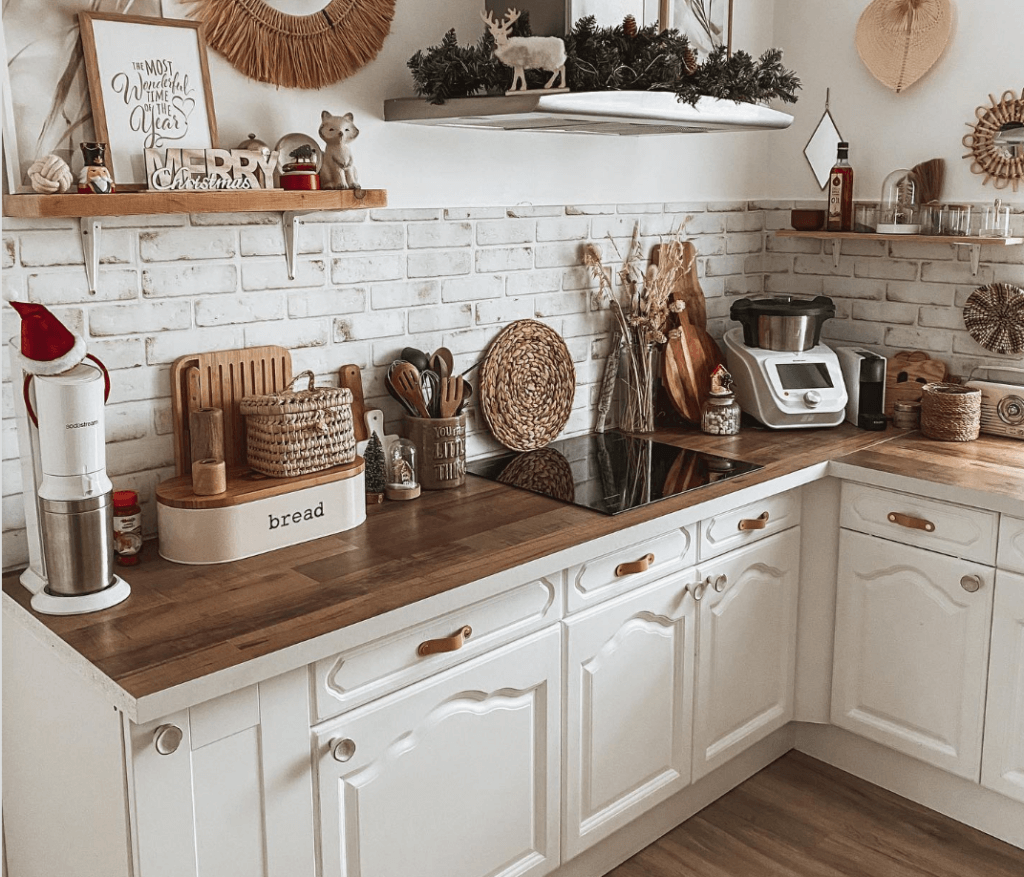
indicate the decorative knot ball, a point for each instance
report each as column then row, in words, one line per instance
column 50, row 175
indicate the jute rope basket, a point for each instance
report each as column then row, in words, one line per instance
column 950, row 412
column 296, row 432
column 527, row 385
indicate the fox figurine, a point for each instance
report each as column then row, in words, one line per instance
column 338, row 171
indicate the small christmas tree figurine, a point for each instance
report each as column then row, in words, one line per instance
column 375, row 478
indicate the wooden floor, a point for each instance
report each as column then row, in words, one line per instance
column 801, row 818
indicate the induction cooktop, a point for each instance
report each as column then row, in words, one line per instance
column 609, row 472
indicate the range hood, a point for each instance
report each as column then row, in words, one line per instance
column 624, row 113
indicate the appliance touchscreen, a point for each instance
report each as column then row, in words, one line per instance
column 804, row 375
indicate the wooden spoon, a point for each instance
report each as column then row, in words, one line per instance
column 406, row 379
column 444, row 355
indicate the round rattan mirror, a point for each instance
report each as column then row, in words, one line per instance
column 996, row 143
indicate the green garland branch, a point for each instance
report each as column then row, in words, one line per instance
column 621, row 58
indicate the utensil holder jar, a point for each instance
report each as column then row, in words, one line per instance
column 440, row 444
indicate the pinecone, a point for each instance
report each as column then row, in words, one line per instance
column 629, row 26
column 690, row 61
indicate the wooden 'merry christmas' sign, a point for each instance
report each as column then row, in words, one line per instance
column 209, row 169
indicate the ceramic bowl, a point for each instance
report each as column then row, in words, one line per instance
column 807, row 220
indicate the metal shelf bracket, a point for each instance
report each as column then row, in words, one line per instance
column 837, row 250
column 290, row 222
column 975, row 256
column 89, row 229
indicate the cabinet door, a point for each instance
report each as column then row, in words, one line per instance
column 455, row 776
column 911, row 650
column 224, row 789
column 629, row 708
column 746, row 649
column 1002, row 761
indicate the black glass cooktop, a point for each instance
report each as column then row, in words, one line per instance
column 609, row 472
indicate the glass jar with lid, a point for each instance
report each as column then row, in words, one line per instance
column 720, row 414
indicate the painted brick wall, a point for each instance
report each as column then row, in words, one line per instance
column 369, row 283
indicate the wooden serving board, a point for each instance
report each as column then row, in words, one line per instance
column 220, row 380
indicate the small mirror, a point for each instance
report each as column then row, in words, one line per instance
column 820, row 150
column 996, row 142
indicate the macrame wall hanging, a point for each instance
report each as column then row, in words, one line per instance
column 295, row 51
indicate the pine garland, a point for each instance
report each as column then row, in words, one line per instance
column 609, row 59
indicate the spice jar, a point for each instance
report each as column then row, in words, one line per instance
column 906, row 415
column 721, row 414
column 127, row 527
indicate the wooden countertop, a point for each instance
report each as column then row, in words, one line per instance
column 182, row 623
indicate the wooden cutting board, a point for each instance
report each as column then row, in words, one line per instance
column 220, row 380
column 351, row 377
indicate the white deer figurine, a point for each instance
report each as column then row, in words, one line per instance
column 522, row 53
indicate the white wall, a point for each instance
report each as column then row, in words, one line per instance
column 444, row 166
column 888, row 130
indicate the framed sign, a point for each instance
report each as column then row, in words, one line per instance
column 150, row 89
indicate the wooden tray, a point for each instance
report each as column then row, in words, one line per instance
column 220, row 380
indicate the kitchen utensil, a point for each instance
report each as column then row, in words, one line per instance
column 417, row 357
column 389, row 383
column 406, row 379
column 467, row 392
column 351, row 377
column 451, row 396
column 441, row 450
column 430, row 384
column 782, row 323
column 527, row 384
column 443, row 362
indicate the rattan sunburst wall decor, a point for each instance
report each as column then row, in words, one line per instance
column 295, row 51
column 994, row 317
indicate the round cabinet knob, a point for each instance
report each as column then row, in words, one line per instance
column 698, row 589
column 812, row 398
column 970, row 584
column 720, row 582
column 343, row 749
column 167, row 739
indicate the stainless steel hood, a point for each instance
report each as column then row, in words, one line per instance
column 623, row 113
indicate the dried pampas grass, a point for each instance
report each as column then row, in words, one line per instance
column 296, row 51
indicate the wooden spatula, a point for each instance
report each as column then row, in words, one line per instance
column 451, row 395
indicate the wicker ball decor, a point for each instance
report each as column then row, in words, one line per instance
column 994, row 316
column 950, row 412
column 544, row 471
column 527, row 384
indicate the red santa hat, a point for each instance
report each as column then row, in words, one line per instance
column 47, row 346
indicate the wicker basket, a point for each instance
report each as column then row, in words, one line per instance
column 296, row 432
column 950, row 412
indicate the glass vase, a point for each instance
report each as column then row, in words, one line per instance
column 639, row 368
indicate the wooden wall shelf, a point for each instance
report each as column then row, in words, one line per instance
column 975, row 243
column 90, row 209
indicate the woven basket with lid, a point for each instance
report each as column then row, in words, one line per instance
column 296, row 432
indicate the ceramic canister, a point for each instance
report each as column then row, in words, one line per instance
column 441, row 448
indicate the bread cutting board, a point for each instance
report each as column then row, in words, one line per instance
column 351, row 377
column 220, row 380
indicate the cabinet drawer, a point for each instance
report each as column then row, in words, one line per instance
column 1011, row 544
column 358, row 675
column 927, row 523
column 748, row 524
column 627, row 568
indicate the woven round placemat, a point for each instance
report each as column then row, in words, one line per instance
column 994, row 316
column 544, row 471
column 527, row 384
column 950, row 412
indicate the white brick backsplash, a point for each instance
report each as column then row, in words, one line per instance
column 885, row 269
column 569, row 302
column 439, row 263
column 705, row 223
column 914, row 250
column 370, row 236
column 46, row 248
column 367, row 269
column 941, row 318
column 440, row 234
column 844, row 287
column 850, row 332
column 11, row 480
column 139, row 384
column 920, row 293
column 10, row 438
column 408, row 294
column 508, row 231
column 823, row 265
column 288, row 333
column 122, row 353
column 423, row 214
column 752, row 221
column 172, row 245
column 616, row 226
column 528, row 211
column 504, row 310
column 775, row 244
column 13, row 514
column 327, row 302
column 140, row 317
column 514, row 258
column 141, row 455
column 360, row 327
column 269, row 240
column 955, row 272
column 874, row 249
column 126, row 422
column 587, row 210
column 559, row 255
column 168, row 346
column 744, row 243
column 935, row 340
column 436, row 319
column 223, row 310
column 763, row 263
column 456, row 213
column 475, row 287
column 567, row 228
column 62, row 287
column 718, row 265
column 791, row 284
column 260, row 274
column 885, row 312
column 181, row 280
column 8, row 252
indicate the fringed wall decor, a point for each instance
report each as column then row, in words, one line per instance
column 295, row 51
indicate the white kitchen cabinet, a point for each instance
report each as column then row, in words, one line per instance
column 1002, row 760
column 454, row 776
column 629, row 708
column 746, row 648
column 911, row 650
column 224, row 789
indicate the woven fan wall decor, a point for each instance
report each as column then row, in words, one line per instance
column 296, row 51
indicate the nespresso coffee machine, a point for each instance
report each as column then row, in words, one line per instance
column 864, row 375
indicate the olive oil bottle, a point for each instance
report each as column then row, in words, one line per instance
column 840, row 192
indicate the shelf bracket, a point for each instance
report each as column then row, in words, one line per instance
column 89, row 229
column 290, row 222
column 975, row 256
column 837, row 251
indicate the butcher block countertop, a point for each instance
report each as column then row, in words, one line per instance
column 196, row 629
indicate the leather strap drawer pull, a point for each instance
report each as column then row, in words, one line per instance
column 911, row 522
column 634, row 566
column 757, row 523
column 446, row 644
